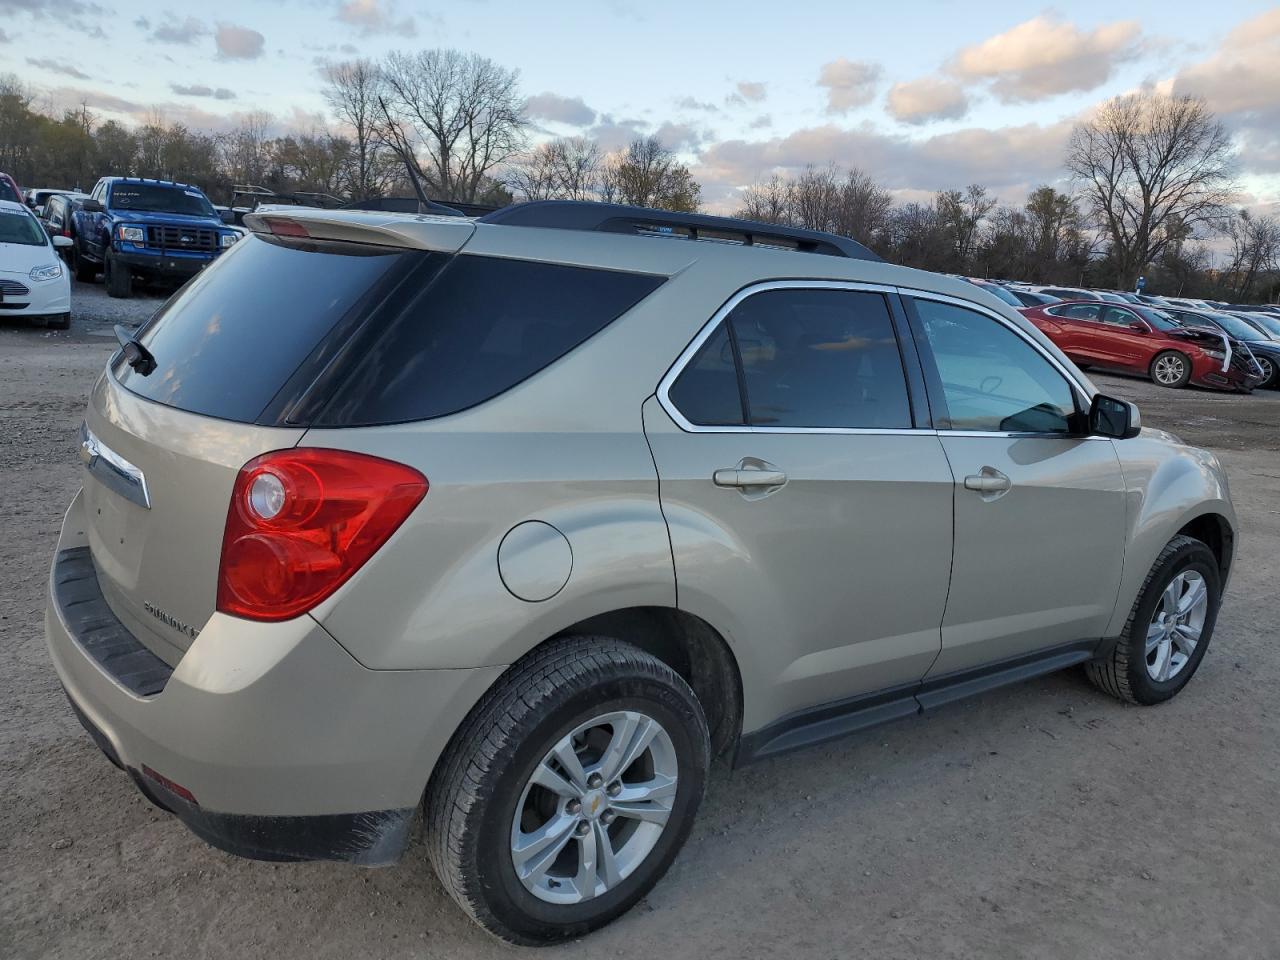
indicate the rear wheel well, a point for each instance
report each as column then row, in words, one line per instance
column 692, row 648
column 1213, row 531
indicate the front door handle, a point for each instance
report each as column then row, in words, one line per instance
column 988, row 481
column 748, row 478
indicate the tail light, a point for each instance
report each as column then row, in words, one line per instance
column 302, row 521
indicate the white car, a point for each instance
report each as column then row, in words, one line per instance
column 33, row 282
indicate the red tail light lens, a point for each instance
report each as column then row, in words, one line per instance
column 302, row 521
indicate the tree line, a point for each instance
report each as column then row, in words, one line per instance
column 1151, row 177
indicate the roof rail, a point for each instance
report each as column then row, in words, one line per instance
column 617, row 218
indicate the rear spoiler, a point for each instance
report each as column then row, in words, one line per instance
column 421, row 232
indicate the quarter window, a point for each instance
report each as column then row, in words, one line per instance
column 988, row 377
column 706, row 391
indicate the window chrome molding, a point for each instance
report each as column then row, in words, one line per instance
column 709, row 328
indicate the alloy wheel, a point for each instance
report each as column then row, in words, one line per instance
column 1170, row 369
column 1176, row 626
column 594, row 807
column 1268, row 370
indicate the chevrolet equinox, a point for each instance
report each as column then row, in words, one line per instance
column 520, row 522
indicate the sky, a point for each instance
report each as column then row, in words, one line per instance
column 922, row 94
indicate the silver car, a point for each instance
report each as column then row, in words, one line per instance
column 520, row 522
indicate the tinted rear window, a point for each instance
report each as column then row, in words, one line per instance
column 229, row 341
column 484, row 325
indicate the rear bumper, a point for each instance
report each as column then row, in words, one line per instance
column 267, row 740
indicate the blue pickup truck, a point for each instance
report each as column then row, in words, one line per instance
column 146, row 229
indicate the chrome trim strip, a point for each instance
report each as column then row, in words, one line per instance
column 112, row 470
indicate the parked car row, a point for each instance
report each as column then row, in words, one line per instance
column 129, row 229
column 1173, row 341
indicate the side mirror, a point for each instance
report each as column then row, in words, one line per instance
column 1139, row 327
column 61, row 243
column 1109, row 417
column 228, row 217
column 91, row 206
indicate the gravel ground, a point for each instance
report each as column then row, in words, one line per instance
column 1043, row 820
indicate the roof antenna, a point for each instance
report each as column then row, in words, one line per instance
column 424, row 205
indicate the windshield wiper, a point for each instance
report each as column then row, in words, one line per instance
column 135, row 354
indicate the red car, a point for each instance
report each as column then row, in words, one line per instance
column 9, row 189
column 1135, row 339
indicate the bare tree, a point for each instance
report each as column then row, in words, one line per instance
column 1145, row 160
column 463, row 112
column 767, row 202
column 647, row 174
column 352, row 90
column 863, row 211
column 962, row 214
column 568, row 168
column 1255, row 249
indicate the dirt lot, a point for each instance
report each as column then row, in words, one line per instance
column 1044, row 820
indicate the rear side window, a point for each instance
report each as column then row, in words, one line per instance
column 484, row 325
column 815, row 359
column 230, row 340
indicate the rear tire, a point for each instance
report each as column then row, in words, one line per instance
column 1170, row 368
column 1129, row 672
column 489, row 795
column 119, row 280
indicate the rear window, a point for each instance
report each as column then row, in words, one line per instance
column 229, row 341
column 340, row 335
column 484, row 325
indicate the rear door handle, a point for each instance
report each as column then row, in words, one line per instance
column 748, row 478
column 989, row 480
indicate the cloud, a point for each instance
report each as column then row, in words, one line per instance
column 375, row 16
column 614, row 134
column 689, row 103
column 238, row 43
column 1006, row 159
column 761, row 122
column 200, row 90
column 1046, row 56
column 558, row 109
column 1244, row 74
column 1240, row 81
column 681, row 137
column 5, row 38
column 172, row 30
column 53, row 8
column 747, row 91
column 53, row 66
column 926, row 99
column 849, row 83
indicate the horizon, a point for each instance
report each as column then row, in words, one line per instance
column 985, row 96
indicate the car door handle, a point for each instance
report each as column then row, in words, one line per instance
column 989, row 480
column 748, row 478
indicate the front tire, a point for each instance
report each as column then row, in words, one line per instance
column 568, row 791
column 119, row 280
column 86, row 271
column 1170, row 369
column 1169, row 628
